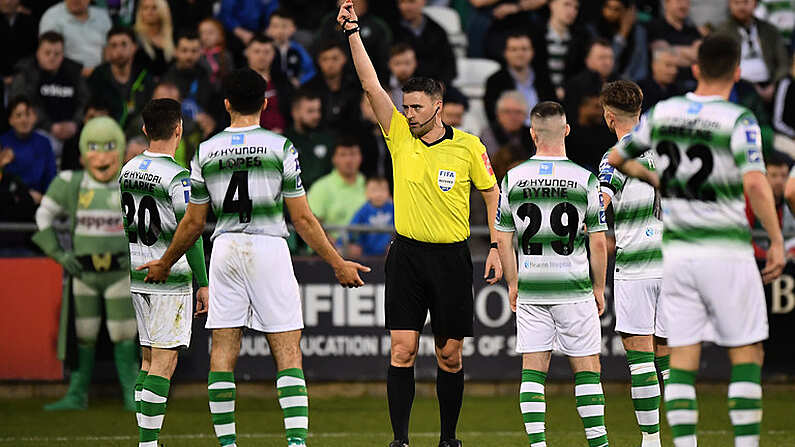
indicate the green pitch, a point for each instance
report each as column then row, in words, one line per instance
column 363, row 422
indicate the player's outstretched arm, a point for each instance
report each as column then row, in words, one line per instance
column 190, row 228
column 379, row 98
column 633, row 168
column 789, row 193
column 597, row 242
column 508, row 260
column 760, row 196
column 309, row 229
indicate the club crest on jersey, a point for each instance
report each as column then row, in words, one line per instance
column 446, row 180
column 754, row 155
column 145, row 164
column 546, row 168
column 238, row 139
column 649, row 232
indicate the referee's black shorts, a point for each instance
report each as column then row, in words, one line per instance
column 422, row 277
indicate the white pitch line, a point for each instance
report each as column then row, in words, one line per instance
column 311, row 435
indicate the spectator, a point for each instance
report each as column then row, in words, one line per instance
column 379, row 211
column 244, row 18
column 590, row 137
column 16, row 200
column 435, row 58
column 339, row 90
column 308, row 15
column 155, row 33
column 519, row 73
column 135, row 147
column 292, row 59
column 764, row 55
column 19, row 28
column 676, row 30
column 662, row 82
column 191, row 13
column 121, row 12
column 124, row 82
column 199, row 99
column 560, row 44
column 784, row 104
column 260, row 54
column 55, row 87
column 33, row 159
column 313, row 144
column 70, row 158
column 780, row 13
column 507, row 17
column 708, row 14
column 509, row 129
column 83, row 27
column 618, row 25
column 335, row 198
column 454, row 106
column 376, row 35
column 599, row 69
column 777, row 167
column 376, row 161
column 402, row 66
column 215, row 58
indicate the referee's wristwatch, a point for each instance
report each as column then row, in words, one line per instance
column 493, row 245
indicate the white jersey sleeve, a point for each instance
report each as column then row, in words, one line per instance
column 746, row 145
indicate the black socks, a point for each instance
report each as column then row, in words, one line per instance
column 400, row 394
column 450, row 392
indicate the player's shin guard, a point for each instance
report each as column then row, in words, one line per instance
column 591, row 407
column 221, row 388
column 153, row 409
column 663, row 363
column 680, row 407
column 139, row 387
column 745, row 403
column 533, row 406
column 294, row 400
column 645, row 395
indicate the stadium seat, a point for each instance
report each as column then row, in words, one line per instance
column 472, row 75
column 449, row 19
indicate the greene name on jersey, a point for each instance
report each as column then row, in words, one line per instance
column 638, row 227
column 154, row 194
column 546, row 201
column 702, row 146
column 245, row 172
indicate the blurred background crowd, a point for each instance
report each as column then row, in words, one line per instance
column 64, row 62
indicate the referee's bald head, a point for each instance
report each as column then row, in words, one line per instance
column 548, row 123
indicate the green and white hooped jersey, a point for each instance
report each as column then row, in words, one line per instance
column 638, row 227
column 245, row 172
column 546, row 201
column 154, row 194
column 702, row 147
column 780, row 13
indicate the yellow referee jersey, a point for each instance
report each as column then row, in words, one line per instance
column 432, row 181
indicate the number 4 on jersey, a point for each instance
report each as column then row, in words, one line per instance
column 243, row 205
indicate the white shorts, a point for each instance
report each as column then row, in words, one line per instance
column 637, row 304
column 713, row 299
column 571, row 328
column 164, row 321
column 252, row 284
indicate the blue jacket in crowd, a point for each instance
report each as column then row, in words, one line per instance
column 34, row 161
column 249, row 14
column 373, row 244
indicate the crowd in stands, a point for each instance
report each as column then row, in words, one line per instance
column 65, row 62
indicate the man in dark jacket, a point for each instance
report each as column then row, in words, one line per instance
column 126, row 85
column 435, row 58
column 55, row 85
column 198, row 95
column 599, row 65
column 18, row 28
column 521, row 73
column 339, row 89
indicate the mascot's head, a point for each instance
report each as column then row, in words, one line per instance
column 102, row 148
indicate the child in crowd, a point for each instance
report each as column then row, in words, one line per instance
column 378, row 211
column 215, row 57
column 292, row 59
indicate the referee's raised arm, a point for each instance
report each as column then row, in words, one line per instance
column 379, row 98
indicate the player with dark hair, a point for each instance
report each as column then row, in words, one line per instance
column 638, row 270
column 155, row 190
column 709, row 151
column 547, row 201
column 249, row 174
column 429, row 267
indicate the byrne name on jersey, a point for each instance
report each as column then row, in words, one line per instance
column 546, row 188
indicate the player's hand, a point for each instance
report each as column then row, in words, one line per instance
column 775, row 262
column 70, row 264
column 158, row 271
column 513, row 295
column 493, row 263
column 202, row 301
column 600, row 301
column 347, row 273
column 347, row 12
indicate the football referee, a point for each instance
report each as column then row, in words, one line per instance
column 429, row 267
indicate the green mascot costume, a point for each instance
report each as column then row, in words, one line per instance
column 98, row 262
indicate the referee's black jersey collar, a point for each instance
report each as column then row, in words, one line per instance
column 448, row 135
